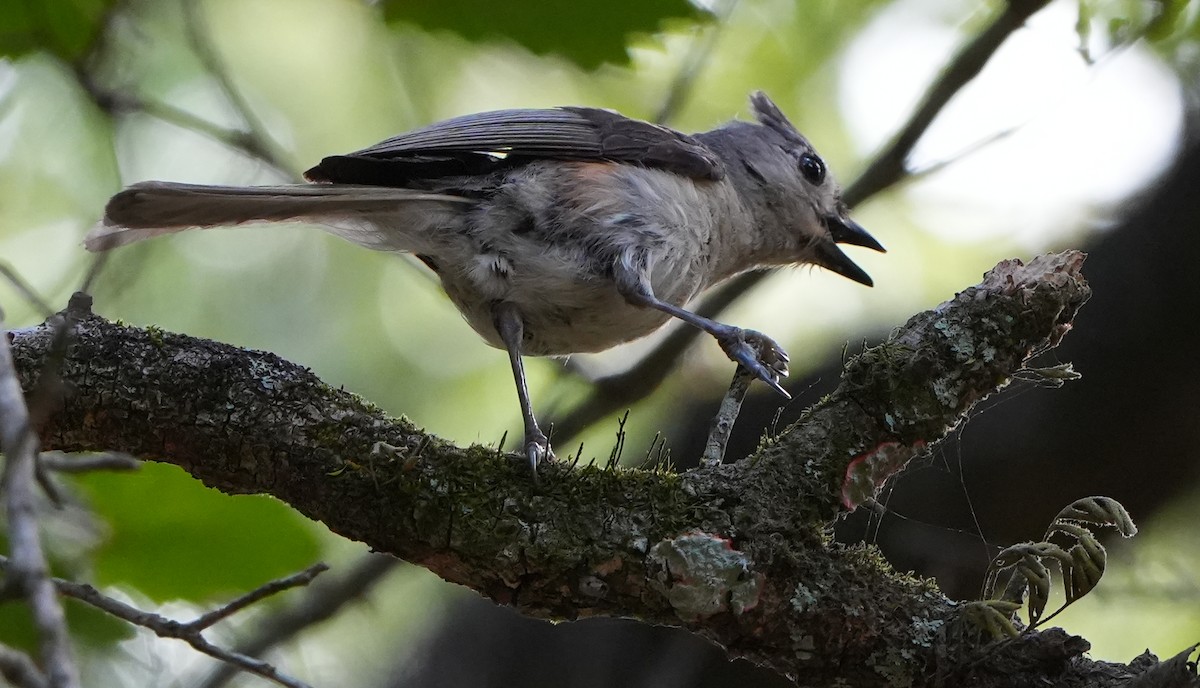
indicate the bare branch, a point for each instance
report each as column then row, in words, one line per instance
column 198, row 37
column 320, row 602
column 244, row 141
column 247, row 143
column 25, row 289
column 722, row 426
column 888, row 166
column 694, row 62
column 29, row 574
column 60, row 462
column 262, row 592
column 254, row 143
column 191, row 632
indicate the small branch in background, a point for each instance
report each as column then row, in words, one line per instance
column 26, row 290
column 90, row 277
column 889, row 165
column 319, row 602
column 192, row 631
column 260, row 593
column 243, row 141
column 199, row 37
column 247, row 143
column 29, row 574
column 939, row 165
column 61, row 462
column 886, row 170
column 694, row 62
column 254, row 142
column 731, row 406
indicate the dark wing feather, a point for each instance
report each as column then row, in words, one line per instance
column 487, row 141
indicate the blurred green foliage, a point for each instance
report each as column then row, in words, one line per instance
column 65, row 28
column 587, row 32
column 88, row 625
column 171, row 538
column 1171, row 27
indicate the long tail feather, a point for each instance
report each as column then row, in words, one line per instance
column 152, row 209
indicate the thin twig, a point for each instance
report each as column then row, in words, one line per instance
column 192, row 632
column 319, row 603
column 245, row 142
column 889, row 165
column 60, row 462
column 26, row 290
column 722, row 427
column 28, row 573
column 939, row 165
column 90, row 277
column 198, row 36
column 886, row 170
column 260, row 593
column 694, row 62
column 253, row 143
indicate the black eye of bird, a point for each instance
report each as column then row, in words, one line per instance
column 812, row 168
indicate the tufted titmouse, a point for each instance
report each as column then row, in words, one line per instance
column 556, row 231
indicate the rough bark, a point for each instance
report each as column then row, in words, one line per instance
column 739, row 553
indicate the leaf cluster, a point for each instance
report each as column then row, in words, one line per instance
column 1069, row 546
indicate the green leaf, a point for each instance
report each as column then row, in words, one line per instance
column 173, row 538
column 1100, row 511
column 16, row 626
column 1037, row 578
column 86, row 623
column 587, row 32
column 993, row 617
column 93, row 626
column 64, row 28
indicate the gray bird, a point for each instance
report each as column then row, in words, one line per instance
column 556, row 231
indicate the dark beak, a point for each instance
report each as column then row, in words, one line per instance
column 847, row 231
column 829, row 256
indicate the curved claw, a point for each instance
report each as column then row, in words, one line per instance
column 765, row 374
column 760, row 355
column 537, row 449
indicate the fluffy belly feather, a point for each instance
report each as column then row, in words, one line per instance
column 564, row 312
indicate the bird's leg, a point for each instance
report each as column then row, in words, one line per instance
column 755, row 351
column 511, row 329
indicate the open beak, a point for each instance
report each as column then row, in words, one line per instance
column 829, row 256
column 847, row 231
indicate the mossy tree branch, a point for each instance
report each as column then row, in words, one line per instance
column 739, row 553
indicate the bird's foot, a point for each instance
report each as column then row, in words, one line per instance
column 537, row 449
column 757, row 353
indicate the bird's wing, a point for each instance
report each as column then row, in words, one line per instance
column 484, row 142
